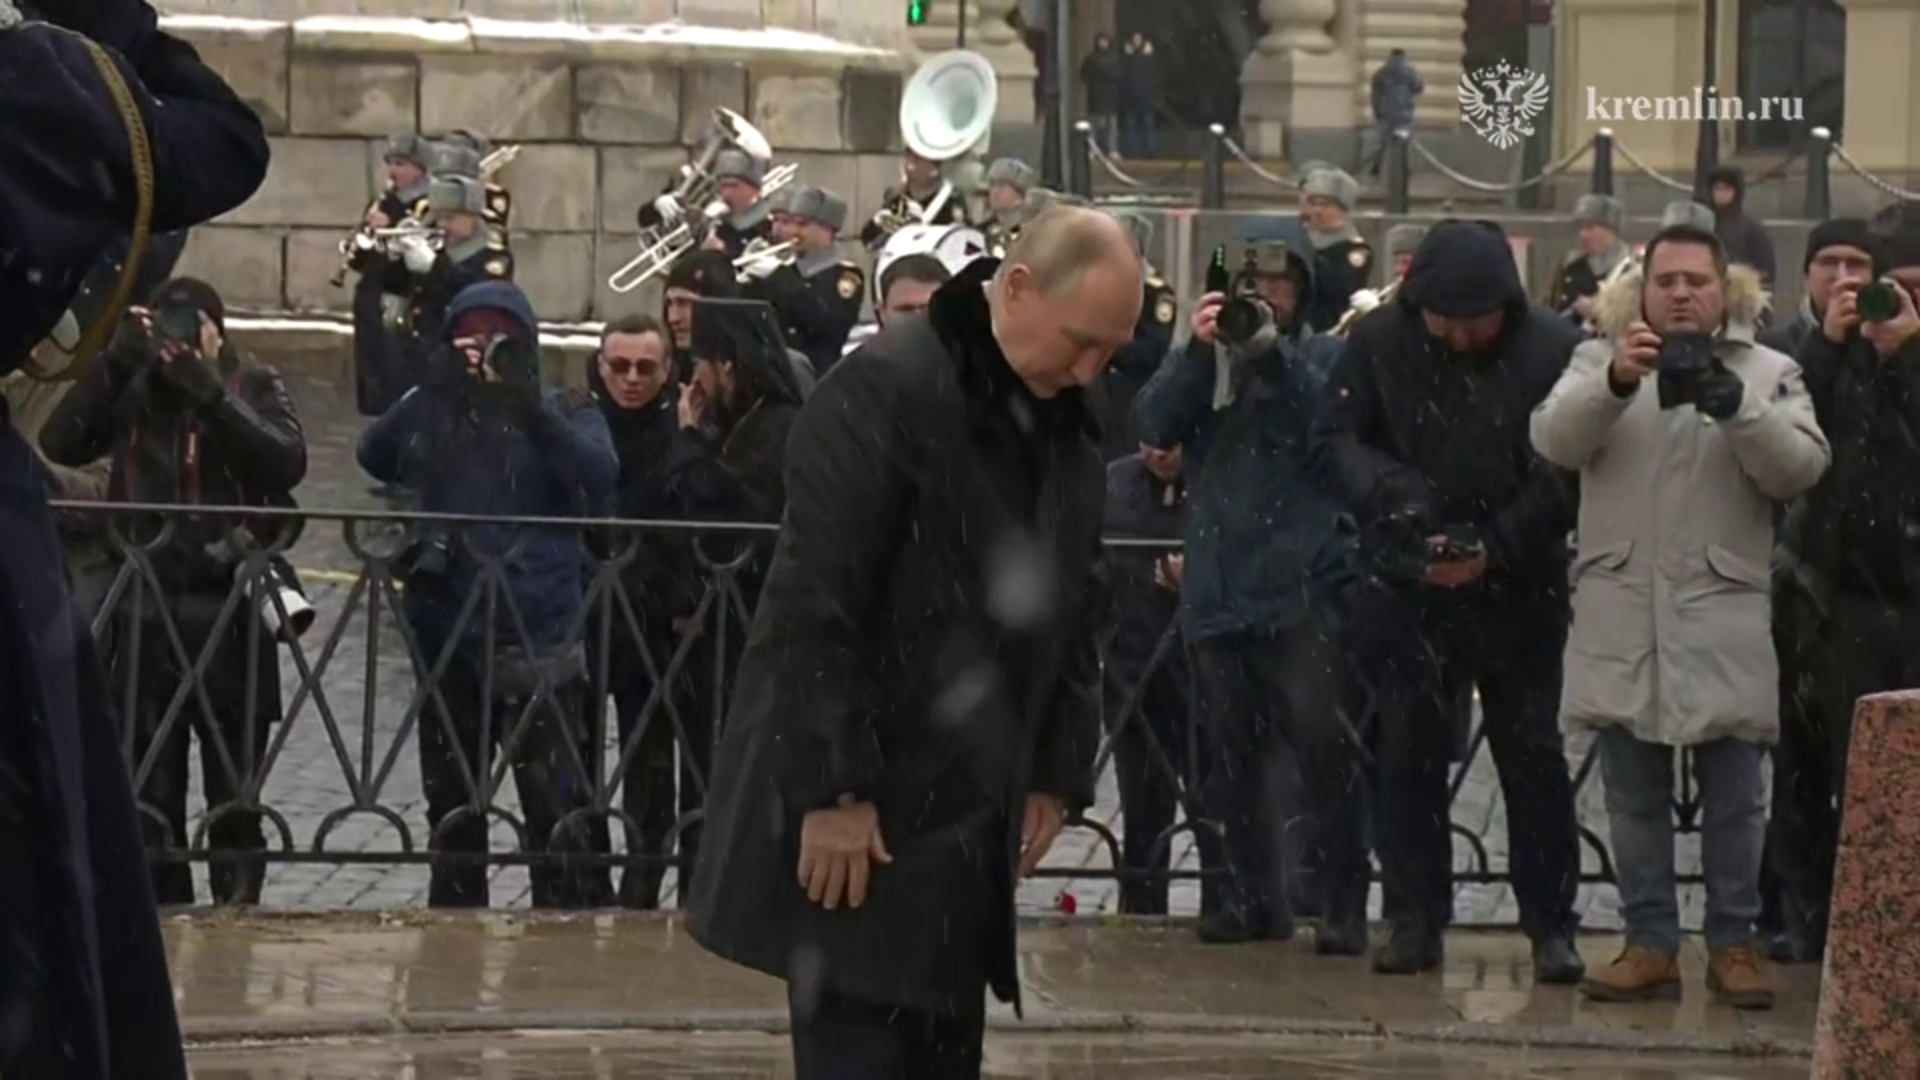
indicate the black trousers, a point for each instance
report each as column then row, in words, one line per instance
column 839, row 1038
column 1159, row 753
column 1871, row 645
column 1278, row 712
column 548, row 764
column 664, row 778
column 1418, row 686
column 1802, row 810
column 232, row 731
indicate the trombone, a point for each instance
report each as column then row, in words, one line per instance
column 1360, row 303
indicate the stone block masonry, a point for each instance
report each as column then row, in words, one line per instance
column 602, row 115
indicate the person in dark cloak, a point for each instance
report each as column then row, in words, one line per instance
column 84, row 990
column 918, row 706
column 734, row 413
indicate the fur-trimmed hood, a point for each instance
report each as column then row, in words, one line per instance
column 1618, row 305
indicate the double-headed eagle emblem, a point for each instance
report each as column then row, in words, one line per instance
column 1500, row 102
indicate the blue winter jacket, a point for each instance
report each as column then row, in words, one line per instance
column 1264, row 542
column 480, row 462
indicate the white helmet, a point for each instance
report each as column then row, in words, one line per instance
column 954, row 245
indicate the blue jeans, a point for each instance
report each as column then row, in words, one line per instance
column 1733, row 833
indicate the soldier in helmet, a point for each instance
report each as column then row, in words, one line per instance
column 817, row 294
column 1599, row 255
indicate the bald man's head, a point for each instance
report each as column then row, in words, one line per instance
column 1066, row 296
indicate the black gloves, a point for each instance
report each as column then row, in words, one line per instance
column 188, row 374
column 1721, row 394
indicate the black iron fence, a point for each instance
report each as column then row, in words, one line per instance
column 362, row 684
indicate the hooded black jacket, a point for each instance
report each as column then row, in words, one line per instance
column 1745, row 239
column 1406, row 427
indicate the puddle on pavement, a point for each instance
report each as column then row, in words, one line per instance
column 629, row 1056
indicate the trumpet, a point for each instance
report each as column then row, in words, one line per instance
column 1362, row 302
column 498, row 160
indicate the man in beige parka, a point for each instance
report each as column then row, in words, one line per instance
column 1683, row 455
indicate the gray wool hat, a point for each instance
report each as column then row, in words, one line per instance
column 412, row 149
column 1602, row 210
column 1012, row 172
column 453, row 159
column 818, row 205
column 1314, row 165
column 1405, row 239
column 1689, row 213
column 452, row 194
column 739, row 165
column 1332, row 184
column 472, row 140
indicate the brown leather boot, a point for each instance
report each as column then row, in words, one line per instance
column 1734, row 972
column 1637, row 974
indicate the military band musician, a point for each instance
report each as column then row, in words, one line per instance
column 1008, row 181
column 381, row 373
column 924, row 196
column 738, row 177
column 1601, row 254
column 1134, row 363
column 499, row 199
column 1343, row 263
column 817, row 293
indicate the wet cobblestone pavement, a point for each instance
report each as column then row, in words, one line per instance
column 308, row 779
column 622, row 1056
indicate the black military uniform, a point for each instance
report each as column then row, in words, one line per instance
column 379, row 323
column 83, row 969
column 1581, row 275
column 738, row 230
column 901, row 206
column 429, row 286
column 817, row 296
column 1343, row 262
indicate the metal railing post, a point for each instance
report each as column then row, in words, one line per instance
column 1080, row 160
column 1399, row 173
column 1602, row 162
column 1819, row 205
column 1213, row 170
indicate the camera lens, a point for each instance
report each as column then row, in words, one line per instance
column 1242, row 318
column 1877, row 302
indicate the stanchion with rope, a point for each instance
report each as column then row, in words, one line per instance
column 1601, row 182
column 1080, row 160
column 1213, row 169
column 1399, row 176
column 1819, row 204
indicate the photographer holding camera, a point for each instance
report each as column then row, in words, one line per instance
column 1687, row 434
column 1859, row 543
column 1424, row 434
column 1267, row 556
column 186, row 420
column 482, row 439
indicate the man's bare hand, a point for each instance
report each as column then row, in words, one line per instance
column 838, row 847
column 1044, row 818
column 1168, row 570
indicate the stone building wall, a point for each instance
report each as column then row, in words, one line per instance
column 602, row 117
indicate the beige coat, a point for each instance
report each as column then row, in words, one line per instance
column 1671, row 611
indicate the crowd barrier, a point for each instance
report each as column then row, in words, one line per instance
column 358, row 688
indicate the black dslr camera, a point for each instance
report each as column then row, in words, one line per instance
column 177, row 324
column 1686, row 357
column 1245, row 318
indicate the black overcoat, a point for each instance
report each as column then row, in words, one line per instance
column 925, row 639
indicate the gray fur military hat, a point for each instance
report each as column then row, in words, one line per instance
column 1139, row 228
column 452, row 194
column 1308, row 168
column 1602, row 210
column 1332, row 184
column 1689, row 213
column 1405, row 239
column 412, row 149
column 453, row 159
column 1012, row 172
column 739, row 165
column 472, row 140
column 820, row 206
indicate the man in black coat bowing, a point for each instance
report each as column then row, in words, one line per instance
column 917, row 709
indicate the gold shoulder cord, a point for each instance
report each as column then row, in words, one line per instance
column 95, row 336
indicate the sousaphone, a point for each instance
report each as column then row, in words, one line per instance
column 945, row 110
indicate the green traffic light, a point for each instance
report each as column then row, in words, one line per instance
column 916, row 12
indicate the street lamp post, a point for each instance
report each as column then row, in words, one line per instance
column 1706, row 154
